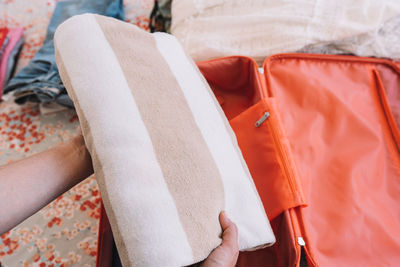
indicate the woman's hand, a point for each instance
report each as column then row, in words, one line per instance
column 227, row 253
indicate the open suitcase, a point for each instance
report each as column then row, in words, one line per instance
column 320, row 136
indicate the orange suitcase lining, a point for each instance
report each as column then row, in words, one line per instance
column 332, row 136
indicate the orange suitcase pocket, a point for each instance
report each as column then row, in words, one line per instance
column 260, row 148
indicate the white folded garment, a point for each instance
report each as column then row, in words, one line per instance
column 259, row 28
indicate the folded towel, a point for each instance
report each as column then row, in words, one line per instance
column 165, row 157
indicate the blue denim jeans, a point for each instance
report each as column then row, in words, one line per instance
column 39, row 81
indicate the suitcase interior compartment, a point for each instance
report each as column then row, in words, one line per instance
column 234, row 81
column 341, row 131
column 236, row 84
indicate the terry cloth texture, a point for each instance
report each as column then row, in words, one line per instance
column 259, row 28
column 165, row 157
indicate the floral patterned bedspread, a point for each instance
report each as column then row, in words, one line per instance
column 64, row 233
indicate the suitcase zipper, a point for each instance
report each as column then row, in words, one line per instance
column 277, row 143
column 303, row 254
column 283, row 155
column 301, row 241
column 386, row 111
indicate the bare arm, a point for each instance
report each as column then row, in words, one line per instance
column 31, row 183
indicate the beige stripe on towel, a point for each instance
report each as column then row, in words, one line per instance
column 178, row 149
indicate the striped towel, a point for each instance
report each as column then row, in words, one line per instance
column 165, row 157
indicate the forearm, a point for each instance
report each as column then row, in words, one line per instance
column 29, row 184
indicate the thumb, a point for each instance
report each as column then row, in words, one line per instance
column 229, row 232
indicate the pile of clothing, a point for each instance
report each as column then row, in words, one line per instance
column 39, row 81
column 10, row 45
column 217, row 28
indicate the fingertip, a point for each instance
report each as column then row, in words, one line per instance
column 223, row 215
column 229, row 232
column 224, row 220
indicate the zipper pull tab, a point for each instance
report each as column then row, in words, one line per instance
column 301, row 241
column 262, row 119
